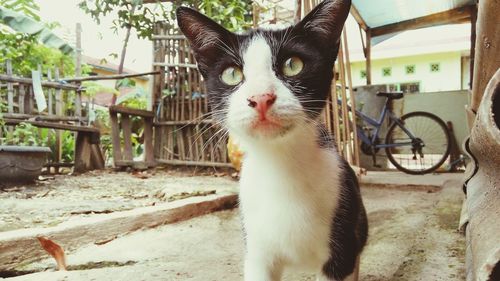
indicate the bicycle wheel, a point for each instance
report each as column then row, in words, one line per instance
column 427, row 152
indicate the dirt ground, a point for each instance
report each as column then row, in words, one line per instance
column 413, row 232
column 65, row 197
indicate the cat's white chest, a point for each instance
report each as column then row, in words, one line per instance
column 287, row 207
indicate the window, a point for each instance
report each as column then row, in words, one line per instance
column 386, row 71
column 362, row 74
column 409, row 87
column 410, row 69
column 412, row 87
column 435, row 67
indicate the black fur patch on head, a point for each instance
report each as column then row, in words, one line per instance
column 349, row 228
column 315, row 40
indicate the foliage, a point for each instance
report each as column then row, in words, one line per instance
column 23, row 49
column 232, row 14
column 26, row 7
column 23, row 23
column 24, row 135
column 135, row 99
column 26, row 54
column 141, row 17
column 130, row 13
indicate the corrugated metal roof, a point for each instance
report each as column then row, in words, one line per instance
column 383, row 12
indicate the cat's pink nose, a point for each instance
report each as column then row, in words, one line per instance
column 262, row 103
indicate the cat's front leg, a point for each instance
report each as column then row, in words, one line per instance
column 261, row 268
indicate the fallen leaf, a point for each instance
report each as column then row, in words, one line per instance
column 55, row 251
column 141, row 175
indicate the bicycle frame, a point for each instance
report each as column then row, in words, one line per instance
column 378, row 124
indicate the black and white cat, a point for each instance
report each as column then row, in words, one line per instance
column 300, row 201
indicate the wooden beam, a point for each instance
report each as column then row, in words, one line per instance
column 131, row 111
column 109, row 77
column 52, row 125
column 19, row 246
column 457, row 15
column 297, row 13
column 194, row 163
column 7, row 78
column 368, row 57
column 473, row 21
column 359, row 19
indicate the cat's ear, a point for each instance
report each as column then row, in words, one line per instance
column 326, row 21
column 202, row 33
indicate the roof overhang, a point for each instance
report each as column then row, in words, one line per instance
column 384, row 17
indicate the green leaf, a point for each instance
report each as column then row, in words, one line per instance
column 25, row 24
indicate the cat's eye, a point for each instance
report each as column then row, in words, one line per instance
column 232, row 76
column 293, row 66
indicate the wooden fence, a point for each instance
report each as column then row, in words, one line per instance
column 185, row 134
column 64, row 112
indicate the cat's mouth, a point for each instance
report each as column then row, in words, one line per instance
column 269, row 127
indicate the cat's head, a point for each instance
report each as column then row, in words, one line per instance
column 266, row 83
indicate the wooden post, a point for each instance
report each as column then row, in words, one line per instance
column 22, row 99
column 355, row 149
column 78, row 58
column 127, row 137
column 115, row 136
column 473, row 20
column 10, row 89
column 148, row 141
column 297, row 11
column 59, row 112
column 368, row 57
column 78, row 69
column 487, row 56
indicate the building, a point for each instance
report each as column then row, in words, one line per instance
column 433, row 59
column 103, row 68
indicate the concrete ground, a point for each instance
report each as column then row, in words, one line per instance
column 65, row 197
column 412, row 237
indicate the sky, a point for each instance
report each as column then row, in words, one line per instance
column 99, row 40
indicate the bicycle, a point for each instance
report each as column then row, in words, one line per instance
column 408, row 139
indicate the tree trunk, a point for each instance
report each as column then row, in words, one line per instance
column 124, row 52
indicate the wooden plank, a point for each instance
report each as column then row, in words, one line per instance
column 457, row 15
column 78, row 57
column 368, row 57
column 109, row 77
column 297, row 11
column 148, row 141
column 352, row 99
column 44, row 124
column 46, row 84
column 22, row 98
column 115, row 137
column 59, row 114
column 472, row 46
column 40, row 117
column 131, row 111
column 21, row 247
column 50, row 94
column 193, row 163
column 127, row 137
column 169, row 36
column 97, row 157
column 78, row 103
column 169, row 64
column 359, row 19
column 10, row 88
column 83, row 153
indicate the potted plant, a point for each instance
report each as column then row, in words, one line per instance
column 22, row 155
